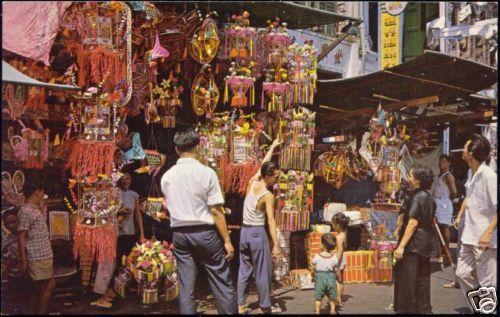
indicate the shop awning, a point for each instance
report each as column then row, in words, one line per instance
column 13, row 76
column 431, row 74
column 296, row 15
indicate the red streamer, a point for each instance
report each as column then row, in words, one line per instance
column 235, row 177
column 89, row 158
column 98, row 241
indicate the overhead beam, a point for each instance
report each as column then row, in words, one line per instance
column 428, row 81
column 392, row 106
column 468, row 117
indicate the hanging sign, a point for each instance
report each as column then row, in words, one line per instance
column 394, row 8
column 389, row 40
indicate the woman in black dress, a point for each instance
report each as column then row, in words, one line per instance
column 412, row 271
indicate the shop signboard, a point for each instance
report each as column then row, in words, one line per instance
column 390, row 31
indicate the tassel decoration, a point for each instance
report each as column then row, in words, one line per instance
column 89, row 158
column 100, row 241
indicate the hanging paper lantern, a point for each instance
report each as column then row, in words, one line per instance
column 297, row 130
column 303, row 71
column 158, row 50
column 294, row 192
column 204, row 44
column 240, row 86
column 240, row 38
column 278, row 96
column 276, row 42
column 204, row 93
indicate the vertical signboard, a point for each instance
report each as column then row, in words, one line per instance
column 390, row 44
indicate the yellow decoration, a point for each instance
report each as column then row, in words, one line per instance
column 203, row 47
column 57, row 140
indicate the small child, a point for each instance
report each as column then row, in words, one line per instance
column 326, row 273
column 340, row 224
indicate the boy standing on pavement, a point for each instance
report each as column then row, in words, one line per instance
column 35, row 251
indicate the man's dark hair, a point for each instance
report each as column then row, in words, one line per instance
column 424, row 175
column 329, row 241
column 444, row 156
column 268, row 168
column 12, row 211
column 186, row 140
column 480, row 148
column 32, row 185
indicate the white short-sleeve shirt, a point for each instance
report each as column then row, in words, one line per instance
column 481, row 195
column 190, row 188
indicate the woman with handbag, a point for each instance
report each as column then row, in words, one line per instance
column 413, row 267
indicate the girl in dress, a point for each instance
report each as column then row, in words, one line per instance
column 340, row 224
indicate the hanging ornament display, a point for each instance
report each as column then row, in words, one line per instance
column 276, row 41
column 105, row 46
column 240, row 38
column 93, row 153
column 240, row 83
column 295, row 200
column 303, row 72
column 297, row 130
column 244, row 154
column 204, row 92
column 278, row 95
column 14, row 98
column 213, row 145
column 31, row 149
column 340, row 163
column 94, row 234
column 167, row 102
column 12, row 187
column 205, row 42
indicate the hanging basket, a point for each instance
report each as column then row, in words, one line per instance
column 152, row 205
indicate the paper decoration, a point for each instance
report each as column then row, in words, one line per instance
column 59, row 225
column 204, row 44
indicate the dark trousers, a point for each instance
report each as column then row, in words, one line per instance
column 124, row 246
column 412, row 285
column 202, row 245
column 255, row 257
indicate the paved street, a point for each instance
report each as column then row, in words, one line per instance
column 359, row 299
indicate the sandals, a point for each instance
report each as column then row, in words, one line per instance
column 451, row 285
column 102, row 303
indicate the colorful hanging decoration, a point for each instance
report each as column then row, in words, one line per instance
column 213, row 145
column 14, row 97
column 32, row 148
column 240, row 83
column 95, row 231
column 295, row 200
column 167, row 102
column 204, row 92
column 240, row 38
column 12, row 187
column 93, row 153
column 205, row 42
column 303, row 72
column 105, row 32
column 276, row 41
column 297, row 129
column 340, row 163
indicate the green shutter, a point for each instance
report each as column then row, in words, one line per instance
column 413, row 37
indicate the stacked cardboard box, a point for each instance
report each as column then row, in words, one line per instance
column 367, row 266
column 313, row 246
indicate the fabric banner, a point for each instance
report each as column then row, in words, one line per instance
column 29, row 28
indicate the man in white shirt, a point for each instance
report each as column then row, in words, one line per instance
column 194, row 200
column 477, row 260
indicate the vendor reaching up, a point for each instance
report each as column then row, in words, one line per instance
column 255, row 255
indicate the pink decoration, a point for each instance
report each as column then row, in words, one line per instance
column 158, row 50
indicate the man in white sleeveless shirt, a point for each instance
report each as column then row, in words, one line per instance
column 255, row 255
